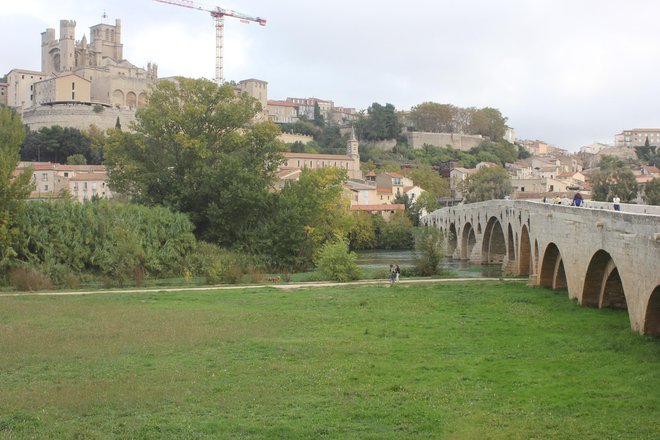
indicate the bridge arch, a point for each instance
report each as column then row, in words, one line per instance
column 552, row 273
column 494, row 246
column 652, row 316
column 525, row 252
column 468, row 240
column 602, row 283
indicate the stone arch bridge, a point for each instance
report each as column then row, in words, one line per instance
column 604, row 258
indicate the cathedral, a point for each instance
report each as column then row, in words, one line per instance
column 81, row 82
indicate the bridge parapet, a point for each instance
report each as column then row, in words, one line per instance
column 604, row 258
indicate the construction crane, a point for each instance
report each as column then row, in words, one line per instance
column 218, row 15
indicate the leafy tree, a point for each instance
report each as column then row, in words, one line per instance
column 318, row 117
column 501, row 152
column 426, row 202
column 487, row 184
column 429, row 179
column 381, row 122
column 430, row 246
column 336, row 262
column 648, row 154
column 652, row 192
column 433, row 117
column 488, row 122
column 613, row 178
column 13, row 190
column 362, row 234
column 330, row 136
column 76, row 159
column 307, row 213
column 523, row 153
column 396, row 233
column 196, row 150
column 55, row 144
column 298, row 147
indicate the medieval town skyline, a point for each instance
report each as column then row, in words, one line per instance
column 569, row 73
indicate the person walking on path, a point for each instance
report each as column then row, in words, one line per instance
column 392, row 274
column 397, row 272
column 616, row 200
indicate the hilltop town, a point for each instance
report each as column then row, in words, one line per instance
column 87, row 84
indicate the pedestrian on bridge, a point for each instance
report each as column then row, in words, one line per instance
column 577, row 199
column 616, row 200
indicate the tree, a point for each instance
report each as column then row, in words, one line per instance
column 381, row 122
column 76, row 159
column 652, row 192
column 434, row 117
column 318, row 117
column 488, row 122
column 55, row 144
column 429, row 179
column 501, row 152
column 13, row 189
column 487, row 184
column 613, row 178
column 196, row 150
column 307, row 213
column 336, row 262
column 430, row 246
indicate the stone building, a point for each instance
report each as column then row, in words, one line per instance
column 3, row 93
column 637, row 137
column 349, row 161
column 80, row 83
column 114, row 81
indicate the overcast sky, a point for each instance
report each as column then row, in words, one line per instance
column 569, row 72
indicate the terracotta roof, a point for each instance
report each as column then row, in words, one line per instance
column 644, row 179
column 317, row 156
column 282, row 103
column 382, row 207
column 80, row 168
column 384, row 190
column 88, row 176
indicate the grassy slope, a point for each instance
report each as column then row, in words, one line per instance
column 478, row 360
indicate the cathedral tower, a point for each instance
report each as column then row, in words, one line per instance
column 67, row 46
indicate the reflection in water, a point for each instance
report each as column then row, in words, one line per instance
column 406, row 258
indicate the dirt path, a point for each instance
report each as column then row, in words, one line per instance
column 286, row 286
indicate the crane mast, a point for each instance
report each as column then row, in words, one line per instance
column 218, row 15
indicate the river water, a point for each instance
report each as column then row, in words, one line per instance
column 406, row 258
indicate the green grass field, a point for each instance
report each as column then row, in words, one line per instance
column 457, row 361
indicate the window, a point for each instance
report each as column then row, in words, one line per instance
column 46, row 188
column 522, row 189
column 44, row 177
column 73, row 86
column 73, row 95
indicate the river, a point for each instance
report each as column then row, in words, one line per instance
column 406, row 258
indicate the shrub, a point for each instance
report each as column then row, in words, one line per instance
column 430, row 247
column 335, row 262
column 28, row 279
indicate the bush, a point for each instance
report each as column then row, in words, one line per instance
column 28, row 279
column 430, row 247
column 335, row 262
